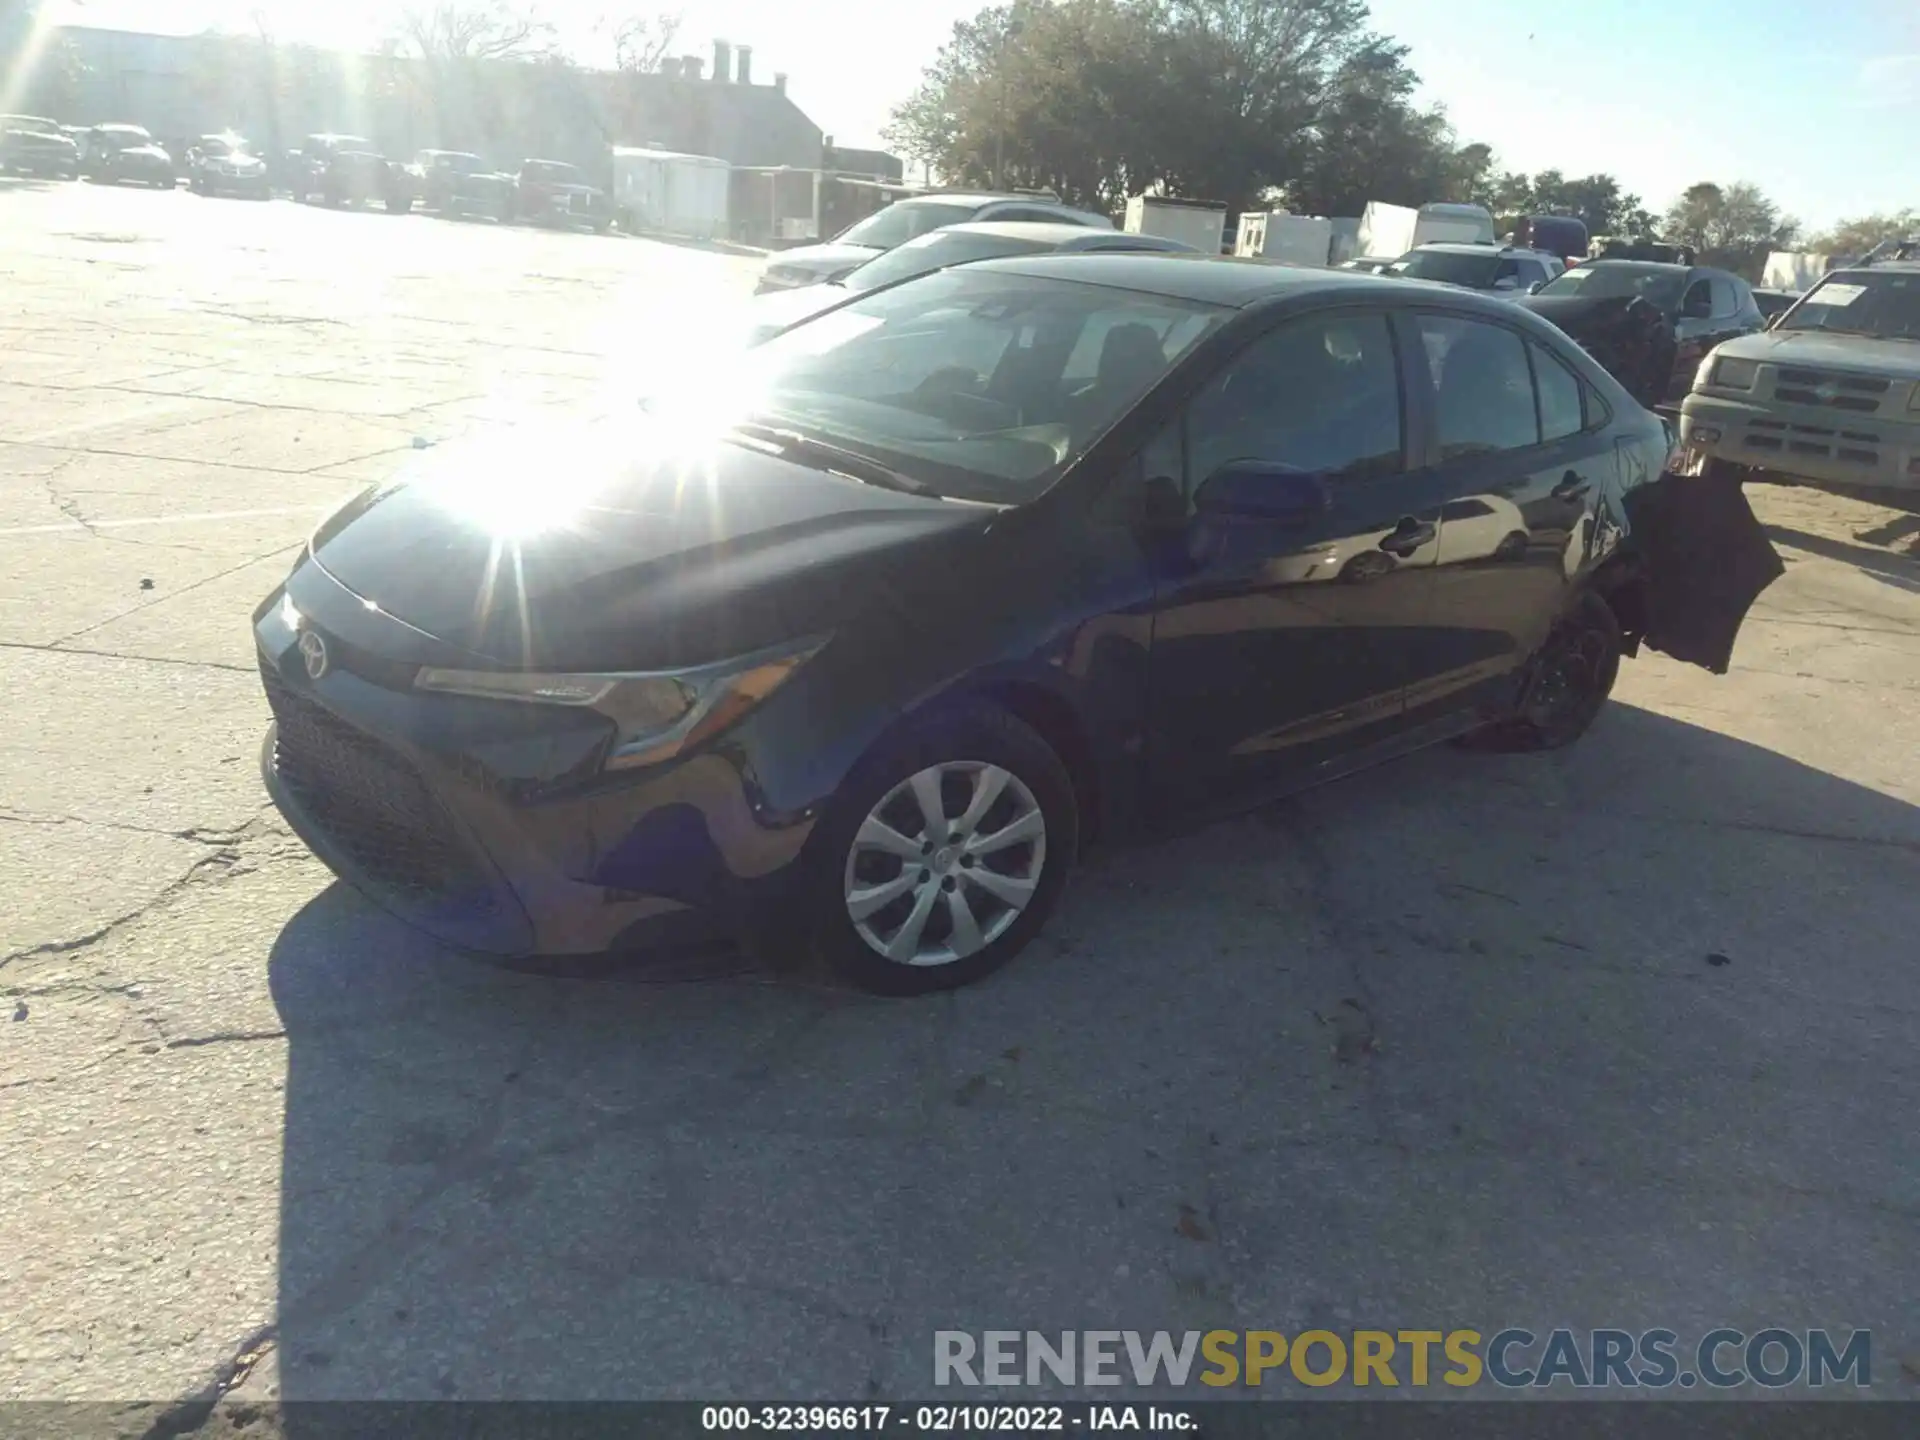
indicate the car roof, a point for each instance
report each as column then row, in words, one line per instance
column 1053, row 232
column 1653, row 265
column 1460, row 247
column 122, row 126
column 1209, row 279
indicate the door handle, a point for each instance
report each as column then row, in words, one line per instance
column 1408, row 536
column 1571, row 487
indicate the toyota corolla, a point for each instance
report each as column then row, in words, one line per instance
column 858, row 640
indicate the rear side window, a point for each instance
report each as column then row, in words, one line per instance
column 1483, row 387
column 1561, row 412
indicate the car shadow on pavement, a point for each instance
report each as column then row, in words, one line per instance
column 1901, row 573
column 1610, row 1034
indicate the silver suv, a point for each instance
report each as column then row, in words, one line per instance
column 1830, row 392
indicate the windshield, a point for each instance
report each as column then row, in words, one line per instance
column 1884, row 304
column 1450, row 267
column 935, row 251
column 900, row 222
column 1620, row 281
column 967, row 383
column 218, row 147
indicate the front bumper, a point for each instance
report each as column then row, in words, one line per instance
column 1826, row 447
column 485, row 823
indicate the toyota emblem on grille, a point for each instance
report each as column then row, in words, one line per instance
column 313, row 654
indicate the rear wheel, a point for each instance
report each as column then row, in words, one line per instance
column 944, row 853
column 1567, row 683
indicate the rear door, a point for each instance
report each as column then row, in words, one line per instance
column 1519, row 450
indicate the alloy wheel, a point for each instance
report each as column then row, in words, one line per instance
column 945, row 863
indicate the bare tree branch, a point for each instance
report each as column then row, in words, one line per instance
column 641, row 42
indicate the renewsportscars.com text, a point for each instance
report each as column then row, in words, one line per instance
column 1511, row 1358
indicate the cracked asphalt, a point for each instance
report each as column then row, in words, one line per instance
column 1623, row 1036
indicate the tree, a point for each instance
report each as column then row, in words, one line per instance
column 1214, row 99
column 641, row 42
column 1732, row 226
column 473, row 30
column 1597, row 201
column 1861, row 234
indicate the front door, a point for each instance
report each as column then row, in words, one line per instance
column 1282, row 648
column 1521, row 454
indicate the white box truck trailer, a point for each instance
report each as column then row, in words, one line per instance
column 670, row 193
column 1389, row 231
column 1276, row 235
column 1199, row 223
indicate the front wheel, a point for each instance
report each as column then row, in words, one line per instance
column 944, row 853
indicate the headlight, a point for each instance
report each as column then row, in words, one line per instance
column 656, row 716
column 1735, row 374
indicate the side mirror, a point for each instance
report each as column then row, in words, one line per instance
column 1536, row 287
column 1506, row 282
column 1262, row 490
column 1774, row 319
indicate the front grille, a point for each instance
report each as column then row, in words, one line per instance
column 1831, row 390
column 371, row 803
column 1820, row 442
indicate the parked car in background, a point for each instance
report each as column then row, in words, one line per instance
column 223, row 165
column 1650, row 324
column 1831, row 393
column 1368, row 264
column 1660, row 252
column 458, row 182
column 901, row 222
column 726, row 670
column 553, row 192
column 126, row 155
column 342, row 170
column 775, row 311
column 1479, row 267
column 32, row 146
column 1564, row 236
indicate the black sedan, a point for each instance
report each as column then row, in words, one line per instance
column 126, row 155
column 1649, row 324
column 859, row 638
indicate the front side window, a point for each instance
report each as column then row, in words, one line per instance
column 1320, row 394
column 1726, row 297
column 1483, row 389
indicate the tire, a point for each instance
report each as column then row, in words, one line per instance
column 1366, row 566
column 1511, row 547
column 965, row 747
column 1567, row 683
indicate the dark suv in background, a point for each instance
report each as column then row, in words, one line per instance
column 347, row 170
column 32, row 146
column 1650, row 324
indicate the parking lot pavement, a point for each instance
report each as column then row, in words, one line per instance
column 1619, row 1036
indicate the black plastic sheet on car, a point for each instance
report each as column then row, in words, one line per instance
column 1704, row 560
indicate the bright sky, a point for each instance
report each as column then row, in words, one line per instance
column 1818, row 105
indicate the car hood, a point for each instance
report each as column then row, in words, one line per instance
column 821, row 261
column 596, row 546
column 1896, row 358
